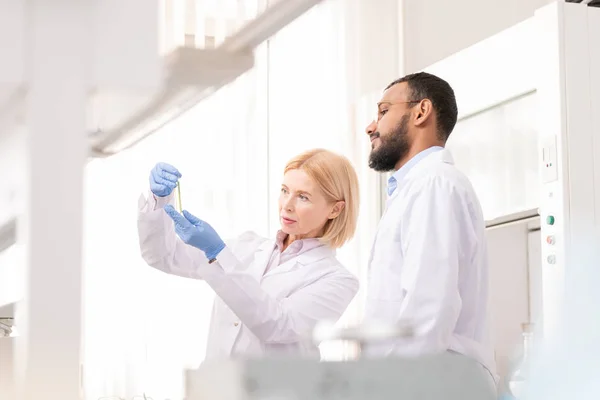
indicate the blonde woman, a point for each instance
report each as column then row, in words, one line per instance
column 270, row 292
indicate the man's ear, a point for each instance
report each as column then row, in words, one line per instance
column 424, row 110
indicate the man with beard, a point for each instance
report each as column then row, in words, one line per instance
column 428, row 267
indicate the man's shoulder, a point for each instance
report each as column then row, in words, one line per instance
column 442, row 176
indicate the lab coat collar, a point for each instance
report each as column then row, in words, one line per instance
column 308, row 257
column 316, row 254
column 399, row 175
column 441, row 156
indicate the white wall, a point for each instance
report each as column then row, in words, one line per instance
column 435, row 29
column 374, row 36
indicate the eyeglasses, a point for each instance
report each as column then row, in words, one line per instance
column 392, row 103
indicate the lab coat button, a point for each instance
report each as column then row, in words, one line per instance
column 236, row 323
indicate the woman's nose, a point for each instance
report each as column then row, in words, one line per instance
column 288, row 204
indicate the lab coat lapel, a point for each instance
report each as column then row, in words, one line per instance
column 261, row 259
column 308, row 257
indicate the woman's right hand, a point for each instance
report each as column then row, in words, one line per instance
column 163, row 179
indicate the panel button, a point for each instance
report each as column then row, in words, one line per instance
column 551, row 259
column 550, row 239
column 550, row 219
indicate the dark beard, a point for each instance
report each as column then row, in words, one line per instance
column 392, row 149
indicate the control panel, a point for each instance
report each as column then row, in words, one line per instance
column 551, row 199
column 552, row 232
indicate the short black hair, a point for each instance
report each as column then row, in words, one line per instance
column 423, row 85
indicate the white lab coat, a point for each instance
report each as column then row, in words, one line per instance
column 428, row 266
column 254, row 313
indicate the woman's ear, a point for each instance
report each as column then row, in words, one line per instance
column 337, row 209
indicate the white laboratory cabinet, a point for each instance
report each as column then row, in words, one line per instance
column 515, row 284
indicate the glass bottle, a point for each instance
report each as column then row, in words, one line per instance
column 520, row 374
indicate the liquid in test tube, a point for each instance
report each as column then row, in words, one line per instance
column 178, row 197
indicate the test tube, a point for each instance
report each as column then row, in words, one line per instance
column 178, row 197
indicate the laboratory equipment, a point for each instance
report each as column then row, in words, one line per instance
column 449, row 375
column 520, row 375
column 568, row 97
column 360, row 334
column 446, row 376
column 178, row 196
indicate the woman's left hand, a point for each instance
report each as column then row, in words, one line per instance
column 195, row 232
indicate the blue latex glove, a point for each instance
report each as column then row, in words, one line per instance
column 195, row 232
column 163, row 179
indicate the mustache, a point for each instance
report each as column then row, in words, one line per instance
column 374, row 135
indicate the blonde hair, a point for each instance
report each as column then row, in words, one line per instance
column 337, row 179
